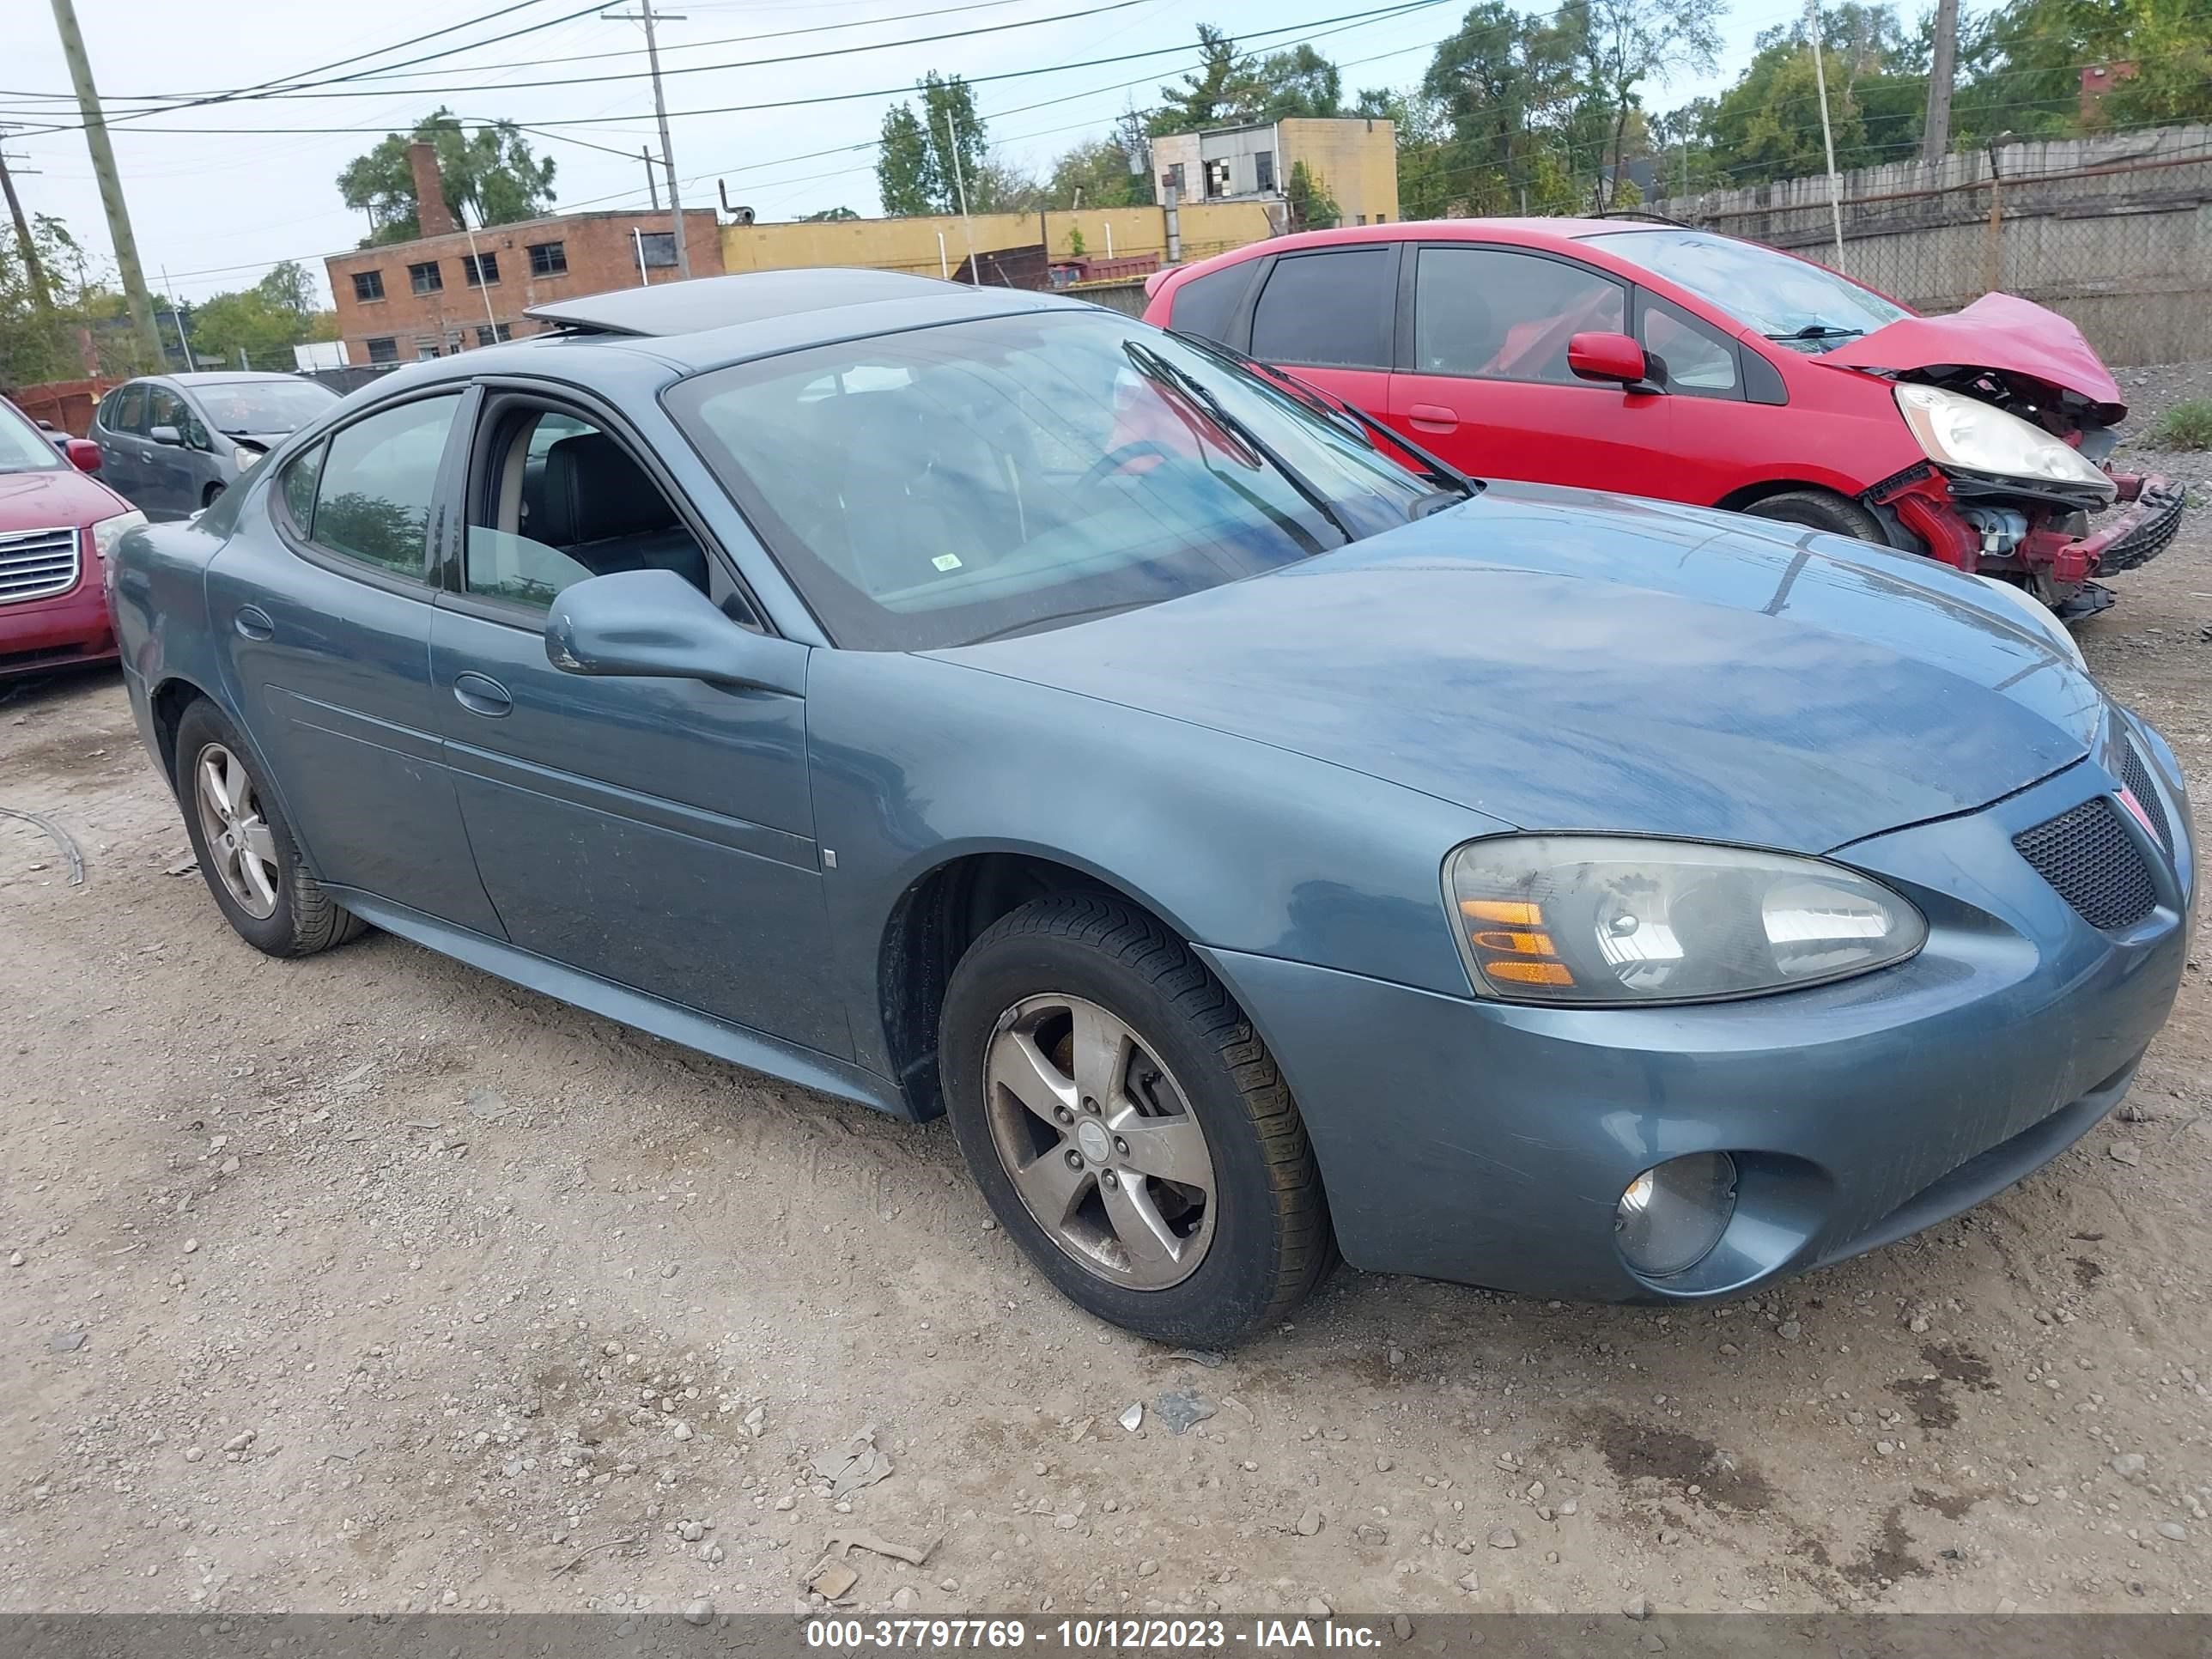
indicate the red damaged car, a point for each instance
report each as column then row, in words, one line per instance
column 56, row 528
column 1659, row 360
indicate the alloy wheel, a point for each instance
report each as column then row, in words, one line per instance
column 1101, row 1144
column 237, row 837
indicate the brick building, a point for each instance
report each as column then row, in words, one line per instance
column 444, row 292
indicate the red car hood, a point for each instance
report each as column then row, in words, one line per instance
column 1998, row 331
column 48, row 500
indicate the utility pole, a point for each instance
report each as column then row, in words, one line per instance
column 1828, row 133
column 111, row 183
column 1935, row 132
column 177, row 316
column 960, row 186
column 32, row 270
column 644, row 15
column 652, row 178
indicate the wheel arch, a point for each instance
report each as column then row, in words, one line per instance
column 1743, row 498
column 937, row 917
column 169, row 702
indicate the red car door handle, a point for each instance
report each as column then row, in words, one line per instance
column 1432, row 418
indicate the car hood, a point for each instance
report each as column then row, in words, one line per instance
column 1560, row 659
column 49, row 500
column 1997, row 331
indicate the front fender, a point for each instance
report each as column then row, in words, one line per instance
column 1235, row 844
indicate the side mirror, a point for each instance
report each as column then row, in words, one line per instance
column 1613, row 357
column 652, row 624
column 83, row 454
column 166, row 435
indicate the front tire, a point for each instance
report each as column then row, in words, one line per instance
column 245, row 850
column 1127, row 1126
column 1822, row 509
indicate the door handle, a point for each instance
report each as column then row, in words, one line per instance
column 480, row 693
column 253, row 622
column 1432, row 418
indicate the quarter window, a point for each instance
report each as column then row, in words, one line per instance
column 1491, row 313
column 299, row 488
column 130, row 410
column 375, row 485
column 1331, row 309
column 1207, row 305
column 425, row 278
column 368, row 285
column 548, row 259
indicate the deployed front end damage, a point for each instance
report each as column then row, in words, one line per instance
column 2018, row 418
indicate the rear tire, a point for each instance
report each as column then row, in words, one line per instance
column 1820, row 509
column 245, row 846
column 1244, row 1219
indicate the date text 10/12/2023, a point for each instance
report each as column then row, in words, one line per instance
column 1092, row 1635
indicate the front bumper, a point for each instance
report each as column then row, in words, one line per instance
column 69, row 628
column 1489, row 1144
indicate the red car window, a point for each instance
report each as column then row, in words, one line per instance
column 1496, row 314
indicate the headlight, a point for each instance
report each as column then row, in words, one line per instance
column 1615, row 918
column 241, row 457
column 2037, row 615
column 1964, row 432
column 106, row 533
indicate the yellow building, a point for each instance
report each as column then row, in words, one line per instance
column 1351, row 159
column 936, row 246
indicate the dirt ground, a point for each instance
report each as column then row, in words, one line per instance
column 370, row 1282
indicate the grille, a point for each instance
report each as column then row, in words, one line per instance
column 2096, row 865
column 37, row 564
column 2136, row 776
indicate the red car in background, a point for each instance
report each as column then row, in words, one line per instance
column 1660, row 360
column 56, row 528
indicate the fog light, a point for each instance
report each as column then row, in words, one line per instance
column 1671, row 1215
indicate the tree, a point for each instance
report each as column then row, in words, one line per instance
column 1294, row 84
column 1210, row 94
column 828, row 215
column 488, row 177
column 263, row 322
column 1628, row 44
column 1097, row 173
column 1502, row 88
column 999, row 186
column 1311, row 207
column 1767, row 125
column 83, row 326
column 924, row 157
column 2020, row 65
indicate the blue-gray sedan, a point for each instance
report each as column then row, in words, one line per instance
column 1262, row 841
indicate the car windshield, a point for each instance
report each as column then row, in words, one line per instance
column 267, row 407
column 1791, row 300
column 961, row 483
column 23, row 448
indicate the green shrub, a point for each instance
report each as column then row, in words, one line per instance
column 2185, row 426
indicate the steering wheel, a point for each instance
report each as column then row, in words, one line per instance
column 1119, row 457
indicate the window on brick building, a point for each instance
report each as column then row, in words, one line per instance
column 657, row 250
column 368, row 285
column 480, row 269
column 548, row 258
column 425, row 278
column 383, row 350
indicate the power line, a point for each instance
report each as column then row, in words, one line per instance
column 1405, row 8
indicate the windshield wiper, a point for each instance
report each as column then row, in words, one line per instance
column 1433, row 467
column 1053, row 619
column 1820, row 331
column 1153, row 367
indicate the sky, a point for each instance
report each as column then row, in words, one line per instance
column 215, row 206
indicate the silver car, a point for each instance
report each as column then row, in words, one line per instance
column 172, row 443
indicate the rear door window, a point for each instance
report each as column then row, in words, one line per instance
column 378, row 479
column 1492, row 314
column 1330, row 310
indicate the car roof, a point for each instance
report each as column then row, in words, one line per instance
column 711, row 321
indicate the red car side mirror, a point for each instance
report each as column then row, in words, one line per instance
column 84, row 454
column 1610, row 357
